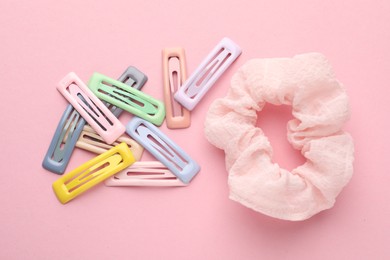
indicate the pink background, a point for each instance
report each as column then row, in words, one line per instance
column 41, row 41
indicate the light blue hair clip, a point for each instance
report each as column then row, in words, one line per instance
column 163, row 148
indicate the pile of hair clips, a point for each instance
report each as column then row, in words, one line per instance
column 90, row 122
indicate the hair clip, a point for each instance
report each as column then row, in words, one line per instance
column 91, row 108
column 174, row 75
column 89, row 140
column 126, row 98
column 163, row 148
column 71, row 125
column 63, row 142
column 92, row 172
column 146, row 173
column 135, row 79
column 207, row 73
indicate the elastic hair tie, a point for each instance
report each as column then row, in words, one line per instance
column 320, row 108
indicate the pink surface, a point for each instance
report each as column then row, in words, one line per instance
column 44, row 40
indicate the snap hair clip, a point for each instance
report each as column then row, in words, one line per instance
column 145, row 173
column 89, row 140
column 163, row 148
column 65, row 137
column 207, row 73
column 174, row 75
column 127, row 98
column 133, row 78
column 91, row 108
column 92, row 172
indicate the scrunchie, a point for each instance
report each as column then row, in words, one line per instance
column 320, row 108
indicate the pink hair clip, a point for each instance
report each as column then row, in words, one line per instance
column 147, row 173
column 98, row 116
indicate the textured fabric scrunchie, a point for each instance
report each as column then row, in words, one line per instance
column 320, row 108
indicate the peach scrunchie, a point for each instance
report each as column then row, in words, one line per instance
column 320, row 108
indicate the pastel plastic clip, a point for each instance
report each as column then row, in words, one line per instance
column 204, row 77
column 174, row 75
column 127, row 98
column 65, row 137
column 163, row 148
column 135, row 79
column 89, row 140
column 71, row 125
column 92, row 173
column 101, row 119
column 146, row 173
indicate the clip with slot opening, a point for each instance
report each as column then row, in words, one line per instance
column 145, row 173
column 127, row 98
column 63, row 142
column 174, row 75
column 98, row 116
column 133, row 78
column 207, row 73
column 163, row 148
column 89, row 140
column 92, row 172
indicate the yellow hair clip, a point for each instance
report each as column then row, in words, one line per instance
column 93, row 172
